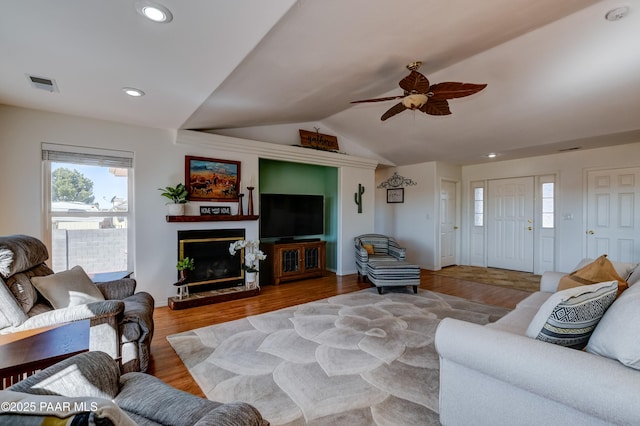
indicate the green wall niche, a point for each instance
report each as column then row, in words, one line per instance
column 283, row 177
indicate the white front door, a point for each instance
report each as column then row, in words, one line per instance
column 448, row 226
column 510, row 224
column 613, row 214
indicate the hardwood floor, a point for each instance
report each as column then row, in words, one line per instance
column 167, row 366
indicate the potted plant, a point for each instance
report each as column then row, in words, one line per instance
column 252, row 257
column 178, row 196
column 185, row 265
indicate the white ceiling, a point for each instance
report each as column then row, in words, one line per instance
column 559, row 75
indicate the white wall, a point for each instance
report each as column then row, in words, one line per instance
column 159, row 161
column 413, row 222
column 350, row 222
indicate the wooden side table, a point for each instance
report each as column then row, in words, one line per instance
column 26, row 352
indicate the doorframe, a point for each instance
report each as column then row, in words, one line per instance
column 585, row 199
column 458, row 220
column 538, row 261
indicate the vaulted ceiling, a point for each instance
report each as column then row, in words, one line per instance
column 559, row 75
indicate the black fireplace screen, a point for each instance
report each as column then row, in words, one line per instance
column 215, row 266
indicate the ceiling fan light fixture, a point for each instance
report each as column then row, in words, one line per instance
column 420, row 95
column 413, row 66
column 414, row 101
column 154, row 11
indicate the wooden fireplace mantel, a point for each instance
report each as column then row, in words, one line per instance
column 218, row 218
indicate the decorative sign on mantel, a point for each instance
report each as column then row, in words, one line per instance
column 215, row 211
column 318, row 140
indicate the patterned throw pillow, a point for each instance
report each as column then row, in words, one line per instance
column 568, row 317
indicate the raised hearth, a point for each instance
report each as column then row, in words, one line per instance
column 210, row 297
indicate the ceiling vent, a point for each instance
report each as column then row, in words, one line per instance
column 43, row 83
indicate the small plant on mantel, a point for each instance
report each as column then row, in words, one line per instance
column 178, row 196
column 183, row 266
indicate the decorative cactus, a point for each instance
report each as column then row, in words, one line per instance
column 358, row 197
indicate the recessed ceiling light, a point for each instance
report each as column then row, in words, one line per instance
column 154, row 11
column 492, row 155
column 132, row 91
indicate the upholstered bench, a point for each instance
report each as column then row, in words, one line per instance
column 393, row 274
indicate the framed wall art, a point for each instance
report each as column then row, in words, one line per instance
column 210, row 179
column 395, row 195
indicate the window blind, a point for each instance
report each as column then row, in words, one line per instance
column 87, row 156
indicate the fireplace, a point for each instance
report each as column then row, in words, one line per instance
column 215, row 268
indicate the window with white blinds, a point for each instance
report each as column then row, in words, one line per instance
column 88, row 199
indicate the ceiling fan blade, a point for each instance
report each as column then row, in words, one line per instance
column 415, row 83
column 451, row 90
column 436, row 107
column 396, row 109
column 389, row 98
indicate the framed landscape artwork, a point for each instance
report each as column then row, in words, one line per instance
column 210, row 179
column 395, row 195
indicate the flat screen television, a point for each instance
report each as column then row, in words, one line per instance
column 286, row 216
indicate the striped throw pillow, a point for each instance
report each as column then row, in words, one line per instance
column 568, row 317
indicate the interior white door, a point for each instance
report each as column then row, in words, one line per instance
column 510, row 224
column 448, row 226
column 613, row 214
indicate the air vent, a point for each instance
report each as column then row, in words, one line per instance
column 575, row 148
column 43, row 83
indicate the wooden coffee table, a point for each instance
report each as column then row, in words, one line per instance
column 25, row 352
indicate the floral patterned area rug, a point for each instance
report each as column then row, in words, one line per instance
column 358, row 359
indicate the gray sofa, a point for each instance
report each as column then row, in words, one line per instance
column 496, row 375
column 121, row 324
column 94, row 392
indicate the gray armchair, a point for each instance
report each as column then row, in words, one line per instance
column 383, row 248
column 121, row 321
column 96, row 393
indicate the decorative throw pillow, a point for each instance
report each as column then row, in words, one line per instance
column 616, row 336
column 368, row 248
column 68, row 288
column 600, row 270
column 568, row 317
column 634, row 276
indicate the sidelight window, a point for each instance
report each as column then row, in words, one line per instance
column 548, row 207
column 478, row 206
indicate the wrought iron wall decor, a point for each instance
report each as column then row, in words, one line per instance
column 397, row 181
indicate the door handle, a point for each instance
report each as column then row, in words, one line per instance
column 529, row 228
column 455, row 227
column 590, row 232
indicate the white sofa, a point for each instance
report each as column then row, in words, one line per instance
column 496, row 375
